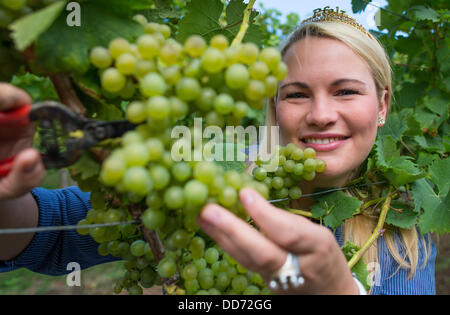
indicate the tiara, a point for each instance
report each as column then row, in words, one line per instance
column 328, row 14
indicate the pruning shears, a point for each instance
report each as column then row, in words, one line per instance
column 57, row 122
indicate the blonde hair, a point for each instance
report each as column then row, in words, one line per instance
column 359, row 228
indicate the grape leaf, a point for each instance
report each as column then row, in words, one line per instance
column 235, row 12
column 402, row 171
column 66, row 49
column 394, row 127
column 425, row 13
column 360, row 269
column 424, row 195
column 385, row 148
column 359, row 5
column 335, row 208
column 437, row 219
column 86, row 166
column 440, row 175
column 39, row 88
column 403, row 216
column 203, row 19
column 27, row 29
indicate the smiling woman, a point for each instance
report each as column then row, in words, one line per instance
column 334, row 98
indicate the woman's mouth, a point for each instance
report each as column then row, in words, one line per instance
column 324, row 144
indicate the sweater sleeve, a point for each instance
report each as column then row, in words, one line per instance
column 50, row 252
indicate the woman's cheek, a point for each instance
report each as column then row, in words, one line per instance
column 288, row 119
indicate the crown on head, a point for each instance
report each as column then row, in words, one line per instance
column 328, row 14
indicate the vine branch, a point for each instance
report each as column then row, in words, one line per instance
column 376, row 233
column 245, row 24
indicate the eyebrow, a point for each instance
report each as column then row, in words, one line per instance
column 334, row 83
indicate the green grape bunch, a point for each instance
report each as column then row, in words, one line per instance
column 165, row 82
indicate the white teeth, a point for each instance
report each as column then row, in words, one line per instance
column 321, row 141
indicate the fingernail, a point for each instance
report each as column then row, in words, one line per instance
column 30, row 168
column 247, row 198
column 210, row 215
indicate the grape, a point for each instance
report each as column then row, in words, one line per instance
column 270, row 86
column 166, row 267
column 136, row 154
column 271, row 57
column 206, row 99
column 152, row 84
column 158, row 107
column 112, row 80
column 156, row 148
column 206, row 278
column 113, row 170
column 100, row 57
column 239, row 284
column 180, row 238
column 223, row 104
column 174, row 197
column 136, row 112
column 188, row 89
column 309, row 165
column 197, row 247
column 118, row 47
column 255, row 90
column 125, row 63
column 248, row 53
column 320, row 166
column 160, row 176
column 213, row 60
column 219, row 41
column 148, row 46
column 137, row 248
column 137, row 180
column 259, row 71
column 295, row 192
column 190, row 272
column 195, row 192
column 205, row 171
column 195, row 45
column 211, row 255
column 237, row 76
column 170, row 53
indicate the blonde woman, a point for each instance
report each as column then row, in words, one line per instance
column 334, row 98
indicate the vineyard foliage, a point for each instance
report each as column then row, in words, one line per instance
column 39, row 50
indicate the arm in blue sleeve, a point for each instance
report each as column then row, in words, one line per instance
column 393, row 280
column 50, row 252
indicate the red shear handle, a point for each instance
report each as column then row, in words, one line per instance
column 6, row 166
column 16, row 117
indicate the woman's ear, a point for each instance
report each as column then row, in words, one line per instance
column 385, row 103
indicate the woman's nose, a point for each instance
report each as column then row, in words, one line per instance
column 322, row 113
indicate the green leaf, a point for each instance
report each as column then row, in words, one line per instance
column 66, row 49
column 402, row 171
column 359, row 5
column 27, row 29
column 87, row 166
column 424, row 196
column 440, row 106
column 235, row 14
column 360, row 269
column 202, row 18
column 404, row 217
column 385, row 149
column 410, row 93
column 425, row 13
column 39, row 88
column 438, row 219
column 440, row 175
column 338, row 207
column 394, row 127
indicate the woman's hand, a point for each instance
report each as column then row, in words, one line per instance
column 28, row 169
column 322, row 262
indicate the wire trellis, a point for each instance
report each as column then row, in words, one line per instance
column 87, row 226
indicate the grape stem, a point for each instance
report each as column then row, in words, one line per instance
column 379, row 230
column 245, row 24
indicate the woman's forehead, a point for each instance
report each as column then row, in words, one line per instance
column 330, row 58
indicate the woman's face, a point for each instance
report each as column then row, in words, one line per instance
column 328, row 101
